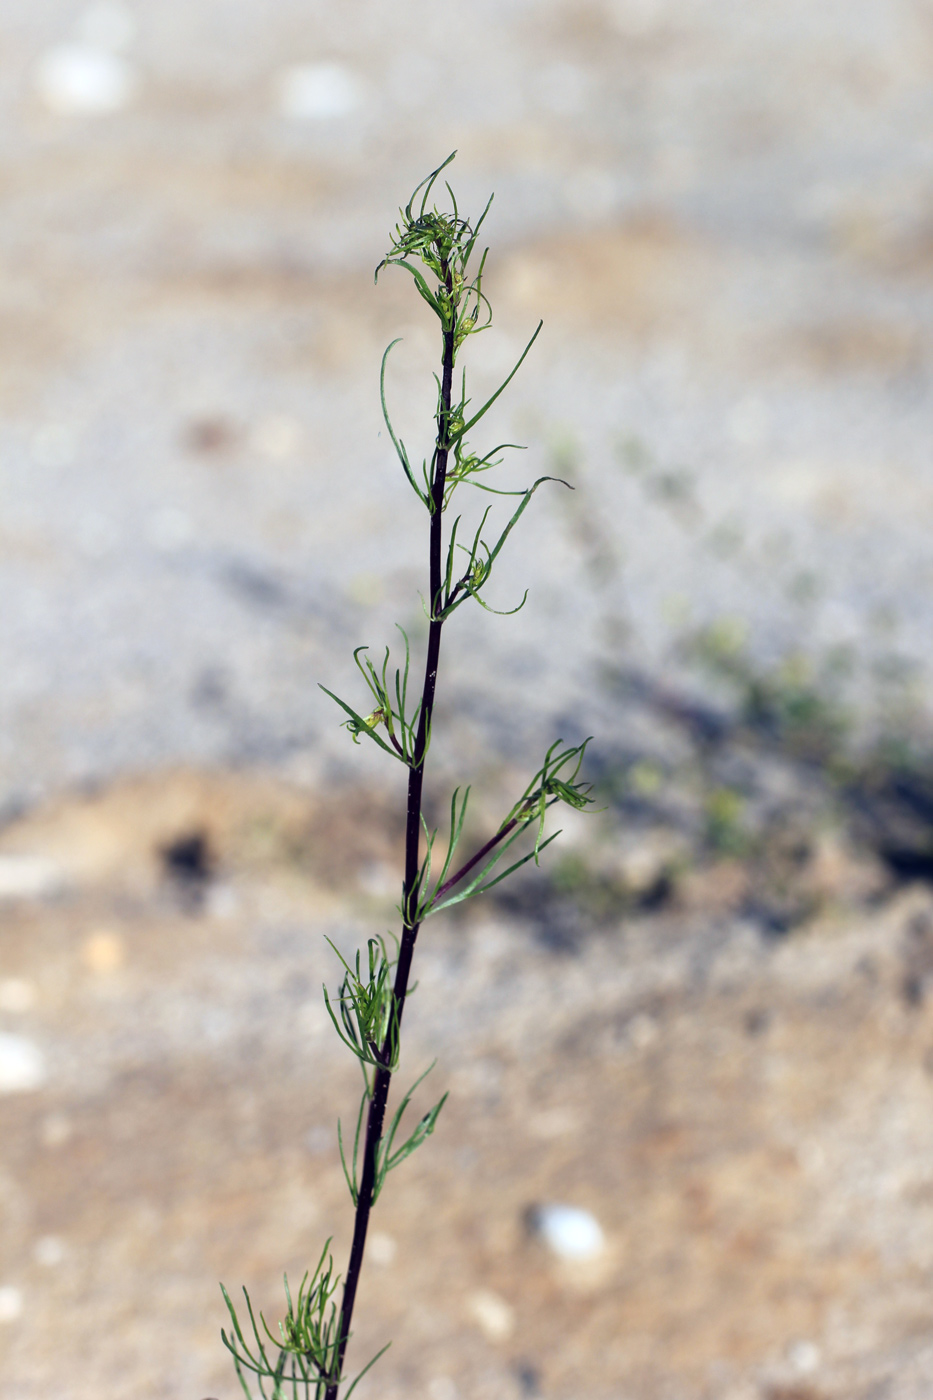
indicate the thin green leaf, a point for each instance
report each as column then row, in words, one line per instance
column 367, row 1367
column 423, row 288
column 396, row 443
column 518, row 514
column 424, row 1130
column 476, row 888
column 489, row 402
column 363, row 727
column 429, row 182
column 468, row 250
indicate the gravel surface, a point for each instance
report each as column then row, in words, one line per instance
column 742, row 1119
column 722, row 213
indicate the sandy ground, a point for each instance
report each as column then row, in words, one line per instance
column 710, row 1026
column 748, row 1119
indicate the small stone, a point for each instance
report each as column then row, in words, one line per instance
column 84, row 80
column 49, row 1251
column 21, row 1065
column 103, row 952
column 804, row 1357
column 317, row 91
column 568, row 1231
column 494, row 1316
column 382, row 1248
column 17, row 994
column 11, row 1303
column 29, row 877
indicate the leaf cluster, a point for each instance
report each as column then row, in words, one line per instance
column 391, row 709
column 480, row 559
column 388, row 1156
column 368, row 1012
column 443, row 243
column 555, row 781
column 308, row 1341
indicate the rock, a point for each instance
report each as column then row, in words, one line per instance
column 11, row 1304
column 494, row 1316
column 804, row 1356
column 317, row 92
column 382, row 1248
column 29, row 877
column 21, row 1065
column 49, row 1251
column 103, row 952
column 84, row 80
column 568, row 1231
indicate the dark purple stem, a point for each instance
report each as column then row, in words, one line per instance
column 410, row 889
column 483, row 851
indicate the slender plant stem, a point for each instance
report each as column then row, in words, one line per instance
column 410, row 890
column 367, row 1013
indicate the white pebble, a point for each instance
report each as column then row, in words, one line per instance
column 317, row 91
column 29, row 877
column 495, row 1317
column 569, row 1232
column 84, row 80
column 11, row 1303
column 805, row 1357
column 21, row 1065
column 382, row 1248
column 49, row 1251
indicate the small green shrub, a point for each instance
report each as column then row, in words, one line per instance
column 305, row 1355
